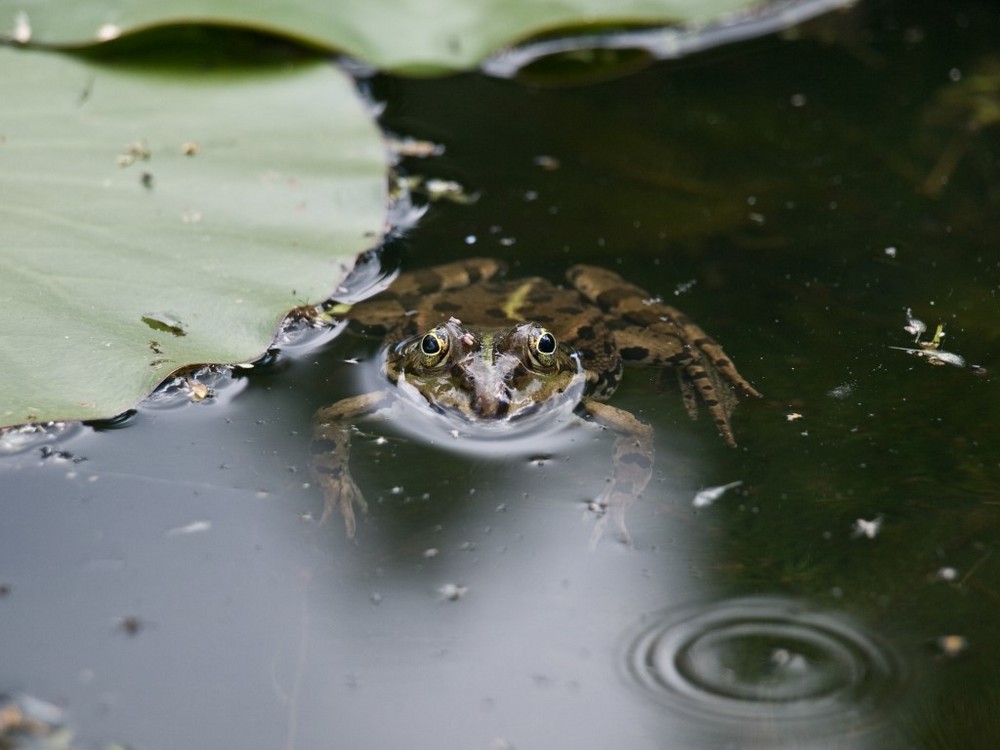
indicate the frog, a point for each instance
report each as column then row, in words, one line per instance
column 464, row 342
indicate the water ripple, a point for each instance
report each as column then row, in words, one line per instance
column 764, row 658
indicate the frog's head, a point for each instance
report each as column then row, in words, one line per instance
column 487, row 373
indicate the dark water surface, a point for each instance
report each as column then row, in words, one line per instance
column 166, row 582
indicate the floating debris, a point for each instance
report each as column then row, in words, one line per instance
column 436, row 189
column 452, row 592
column 709, row 495
column 198, row 390
column 841, row 391
column 914, row 326
column 546, row 162
column 196, row 527
column 951, row 645
column 130, row 625
column 415, row 148
column 868, row 529
column 948, row 574
column 135, row 151
column 929, row 351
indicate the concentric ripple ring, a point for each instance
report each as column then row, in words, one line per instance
column 764, row 658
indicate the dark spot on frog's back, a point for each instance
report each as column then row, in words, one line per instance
column 570, row 310
column 611, row 297
column 426, row 282
column 495, row 312
column 585, row 333
column 634, row 353
column 444, row 306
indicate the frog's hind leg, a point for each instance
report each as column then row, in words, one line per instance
column 699, row 380
column 638, row 309
column 651, row 333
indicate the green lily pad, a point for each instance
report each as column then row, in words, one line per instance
column 411, row 36
column 149, row 220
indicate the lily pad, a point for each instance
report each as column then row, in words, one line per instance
column 150, row 221
column 402, row 36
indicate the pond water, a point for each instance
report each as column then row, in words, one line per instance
column 165, row 582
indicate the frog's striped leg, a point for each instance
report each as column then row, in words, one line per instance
column 330, row 451
column 631, row 463
column 699, row 379
column 655, row 334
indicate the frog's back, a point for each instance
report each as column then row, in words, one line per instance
column 423, row 300
column 501, row 302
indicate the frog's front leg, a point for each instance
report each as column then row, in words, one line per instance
column 330, row 451
column 631, row 463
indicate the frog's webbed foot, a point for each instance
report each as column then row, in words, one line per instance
column 330, row 451
column 632, row 466
column 340, row 492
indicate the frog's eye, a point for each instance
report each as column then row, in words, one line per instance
column 433, row 347
column 546, row 343
column 430, row 344
column 543, row 346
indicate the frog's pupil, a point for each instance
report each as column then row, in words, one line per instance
column 546, row 343
column 430, row 345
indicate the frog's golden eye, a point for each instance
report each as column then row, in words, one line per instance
column 542, row 347
column 546, row 343
column 433, row 347
column 430, row 344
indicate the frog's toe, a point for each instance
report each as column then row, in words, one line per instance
column 342, row 494
column 611, row 505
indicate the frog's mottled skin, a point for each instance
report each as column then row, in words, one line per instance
column 475, row 345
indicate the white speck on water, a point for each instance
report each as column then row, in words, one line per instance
column 946, row 574
column 869, row 529
column 709, row 495
column 452, row 592
column 196, row 527
column 841, row 391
